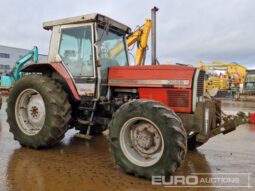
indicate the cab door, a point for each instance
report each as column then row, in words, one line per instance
column 76, row 51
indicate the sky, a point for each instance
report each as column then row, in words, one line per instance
column 187, row 30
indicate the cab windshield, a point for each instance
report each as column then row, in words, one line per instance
column 250, row 78
column 250, row 81
column 112, row 49
column 112, row 52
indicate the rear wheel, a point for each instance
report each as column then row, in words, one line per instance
column 147, row 138
column 38, row 111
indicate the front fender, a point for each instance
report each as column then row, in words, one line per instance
column 47, row 68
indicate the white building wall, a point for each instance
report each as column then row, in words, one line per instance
column 9, row 55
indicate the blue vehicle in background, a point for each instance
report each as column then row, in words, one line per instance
column 8, row 79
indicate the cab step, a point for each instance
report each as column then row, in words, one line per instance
column 86, row 108
column 85, row 122
column 83, row 136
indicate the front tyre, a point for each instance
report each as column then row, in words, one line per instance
column 147, row 138
column 38, row 111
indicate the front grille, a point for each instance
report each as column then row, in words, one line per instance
column 178, row 98
column 200, row 83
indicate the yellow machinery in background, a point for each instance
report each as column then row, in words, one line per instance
column 223, row 78
column 139, row 36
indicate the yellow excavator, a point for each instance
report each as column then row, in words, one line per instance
column 139, row 36
column 222, row 78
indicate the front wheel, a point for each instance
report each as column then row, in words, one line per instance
column 147, row 138
column 38, row 111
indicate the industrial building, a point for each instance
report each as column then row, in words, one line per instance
column 10, row 55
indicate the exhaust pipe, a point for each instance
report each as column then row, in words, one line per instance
column 154, row 60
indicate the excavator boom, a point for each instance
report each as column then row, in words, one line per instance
column 32, row 54
column 140, row 36
column 15, row 74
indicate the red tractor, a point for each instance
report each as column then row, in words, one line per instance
column 152, row 112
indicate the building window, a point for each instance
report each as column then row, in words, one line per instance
column 4, row 69
column 4, row 55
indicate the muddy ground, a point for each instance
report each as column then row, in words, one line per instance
column 77, row 164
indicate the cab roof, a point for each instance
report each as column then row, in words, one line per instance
column 94, row 17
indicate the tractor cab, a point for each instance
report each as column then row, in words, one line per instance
column 86, row 46
column 249, row 83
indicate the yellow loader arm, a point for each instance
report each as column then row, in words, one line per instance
column 141, row 36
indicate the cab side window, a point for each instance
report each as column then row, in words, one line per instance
column 76, row 50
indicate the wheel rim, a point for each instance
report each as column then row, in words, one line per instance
column 141, row 141
column 30, row 112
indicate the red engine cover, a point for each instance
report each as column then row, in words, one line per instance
column 169, row 84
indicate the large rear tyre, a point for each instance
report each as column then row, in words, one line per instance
column 147, row 139
column 38, row 111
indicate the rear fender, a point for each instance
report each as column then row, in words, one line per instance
column 60, row 70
